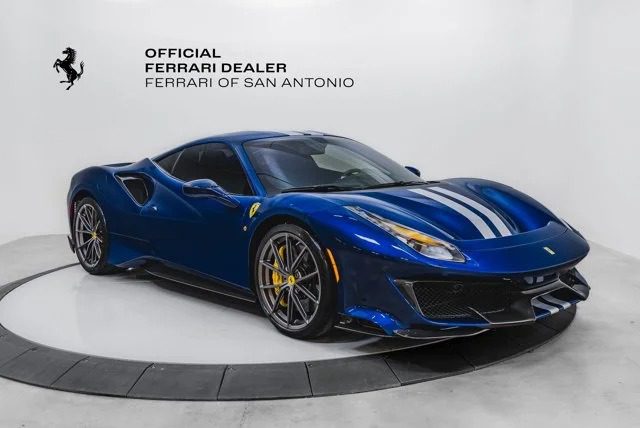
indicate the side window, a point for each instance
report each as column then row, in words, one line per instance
column 168, row 162
column 215, row 161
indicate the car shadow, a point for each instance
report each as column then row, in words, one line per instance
column 334, row 336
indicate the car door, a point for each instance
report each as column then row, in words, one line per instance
column 201, row 233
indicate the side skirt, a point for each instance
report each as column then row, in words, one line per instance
column 164, row 272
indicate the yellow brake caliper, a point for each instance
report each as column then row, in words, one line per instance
column 279, row 280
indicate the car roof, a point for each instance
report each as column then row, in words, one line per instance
column 244, row 136
column 237, row 138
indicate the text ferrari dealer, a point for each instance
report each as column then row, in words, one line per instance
column 176, row 67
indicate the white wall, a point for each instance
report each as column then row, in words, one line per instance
column 538, row 94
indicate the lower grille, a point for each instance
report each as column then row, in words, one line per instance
column 494, row 300
column 454, row 300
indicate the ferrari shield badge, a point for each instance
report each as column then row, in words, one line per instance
column 254, row 209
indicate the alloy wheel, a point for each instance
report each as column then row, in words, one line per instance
column 289, row 281
column 89, row 234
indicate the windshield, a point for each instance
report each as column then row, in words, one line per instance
column 331, row 162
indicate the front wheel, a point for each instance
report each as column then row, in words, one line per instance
column 293, row 284
column 91, row 237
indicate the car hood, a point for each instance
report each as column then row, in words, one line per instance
column 454, row 209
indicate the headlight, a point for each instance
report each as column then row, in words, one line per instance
column 422, row 243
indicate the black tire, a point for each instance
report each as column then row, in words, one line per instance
column 321, row 310
column 85, row 242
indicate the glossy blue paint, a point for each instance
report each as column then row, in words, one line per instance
column 388, row 323
column 205, row 236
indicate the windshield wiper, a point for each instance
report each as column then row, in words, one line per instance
column 320, row 188
column 397, row 184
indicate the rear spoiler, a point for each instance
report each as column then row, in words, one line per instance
column 115, row 165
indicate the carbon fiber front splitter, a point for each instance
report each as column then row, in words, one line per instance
column 527, row 307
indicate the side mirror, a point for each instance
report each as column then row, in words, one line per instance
column 205, row 188
column 414, row 170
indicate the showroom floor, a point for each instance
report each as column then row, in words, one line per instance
column 588, row 376
column 134, row 316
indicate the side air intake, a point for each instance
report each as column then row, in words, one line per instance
column 137, row 185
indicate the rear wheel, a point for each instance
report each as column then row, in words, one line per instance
column 91, row 237
column 292, row 283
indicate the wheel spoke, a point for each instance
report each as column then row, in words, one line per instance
column 92, row 215
column 89, row 225
column 276, row 254
column 272, row 267
column 83, row 252
column 289, row 307
column 277, row 302
column 98, row 250
column 86, row 214
column 87, row 232
column 287, row 246
column 88, row 241
column 307, row 276
column 307, row 293
column 88, row 254
column 268, row 286
column 84, row 222
column 295, row 263
column 94, row 252
column 298, row 306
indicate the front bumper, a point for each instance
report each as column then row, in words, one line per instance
column 380, row 281
column 468, row 306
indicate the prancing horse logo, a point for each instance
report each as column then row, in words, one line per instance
column 66, row 65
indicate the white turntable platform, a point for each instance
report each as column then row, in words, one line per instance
column 136, row 317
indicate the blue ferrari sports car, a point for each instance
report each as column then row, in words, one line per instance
column 324, row 231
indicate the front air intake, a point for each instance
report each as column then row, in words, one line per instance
column 454, row 300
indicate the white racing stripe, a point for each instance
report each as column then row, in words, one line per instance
column 474, row 218
column 539, row 304
column 555, row 301
column 493, row 217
